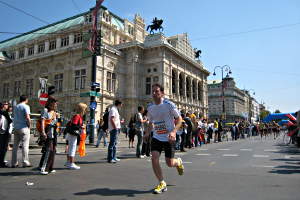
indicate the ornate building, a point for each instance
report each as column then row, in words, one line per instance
column 239, row 104
column 130, row 63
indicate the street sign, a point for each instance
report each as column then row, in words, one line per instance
column 90, row 94
column 93, row 105
column 43, row 98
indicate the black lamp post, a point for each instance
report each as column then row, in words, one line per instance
column 228, row 70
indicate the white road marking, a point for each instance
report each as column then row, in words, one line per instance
column 260, row 156
column 264, row 166
column 245, row 149
column 230, row 155
column 222, row 149
column 271, row 150
column 187, row 162
column 203, row 154
column 202, row 149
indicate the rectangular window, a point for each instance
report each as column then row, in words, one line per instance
column 17, row 88
column 113, row 82
column 21, row 53
column 52, row 45
column 5, row 93
column 77, row 38
column 29, row 87
column 80, row 79
column 108, row 81
column 64, row 41
column 30, row 50
column 58, row 82
column 41, row 48
column 13, row 55
column 148, row 85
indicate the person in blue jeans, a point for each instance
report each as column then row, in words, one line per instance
column 101, row 133
column 114, row 127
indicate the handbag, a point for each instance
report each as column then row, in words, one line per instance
column 71, row 129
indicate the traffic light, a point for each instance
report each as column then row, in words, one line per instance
column 51, row 90
column 98, row 44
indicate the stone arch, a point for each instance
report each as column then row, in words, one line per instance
column 188, row 87
column 194, row 86
column 200, row 97
column 174, row 81
column 181, row 84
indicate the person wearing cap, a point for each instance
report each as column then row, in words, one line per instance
column 5, row 122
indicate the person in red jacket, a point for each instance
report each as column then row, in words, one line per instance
column 76, row 125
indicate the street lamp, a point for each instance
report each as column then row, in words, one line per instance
column 228, row 70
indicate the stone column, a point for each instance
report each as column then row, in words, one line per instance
column 47, row 46
column 58, row 43
column 71, row 39
column 36, row 47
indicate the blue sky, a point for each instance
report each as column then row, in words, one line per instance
column 259, row 40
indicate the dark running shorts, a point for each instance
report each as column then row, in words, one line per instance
column 159, row 146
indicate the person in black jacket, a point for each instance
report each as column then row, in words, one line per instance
column 5, row 122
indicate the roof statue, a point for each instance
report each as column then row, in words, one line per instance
column 156, row 25
column 197, row 53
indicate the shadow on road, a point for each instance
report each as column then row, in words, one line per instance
column 112, row 192
column 18, row 173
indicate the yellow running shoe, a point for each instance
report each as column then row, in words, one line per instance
column 161, row 187
column 180, row 167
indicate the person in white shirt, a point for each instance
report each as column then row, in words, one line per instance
column 165, row 121
column 114, row 126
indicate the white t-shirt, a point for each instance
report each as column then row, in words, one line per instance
column 114, row 113
column 162, row 116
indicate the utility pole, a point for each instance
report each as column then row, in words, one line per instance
column 95, row 47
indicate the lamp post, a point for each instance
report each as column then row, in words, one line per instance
column 228, row 70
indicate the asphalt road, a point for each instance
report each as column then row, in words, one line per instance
column 251, row 169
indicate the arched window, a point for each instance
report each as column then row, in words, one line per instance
column 199, row 91
column 174, row 82
column 194, row 90
column 181, row 85
column 188, row 87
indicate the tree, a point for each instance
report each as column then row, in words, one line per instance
column 277, row 111
column 263, row 114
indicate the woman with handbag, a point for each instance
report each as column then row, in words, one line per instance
column 74, row 130
column 48, row 136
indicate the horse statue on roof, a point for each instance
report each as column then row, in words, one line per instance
column 156, row 25
column 197, row 53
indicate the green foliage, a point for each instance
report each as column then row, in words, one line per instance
column 263, row 114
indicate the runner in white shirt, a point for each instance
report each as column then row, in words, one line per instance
column 165, row 121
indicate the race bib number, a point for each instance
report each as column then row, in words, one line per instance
column 160, row 127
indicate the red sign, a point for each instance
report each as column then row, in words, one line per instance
column 43, row 98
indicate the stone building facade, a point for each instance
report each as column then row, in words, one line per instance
column 239, row 104
column 130, row 63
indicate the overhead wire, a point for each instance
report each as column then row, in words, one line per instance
column 24, row 12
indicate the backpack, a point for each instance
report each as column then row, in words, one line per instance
column 105, row 121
